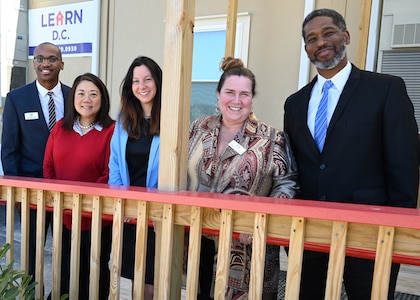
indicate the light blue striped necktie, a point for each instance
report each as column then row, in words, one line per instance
column 321, row 122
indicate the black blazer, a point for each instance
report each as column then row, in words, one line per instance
column 24, row 137
column 371, row 152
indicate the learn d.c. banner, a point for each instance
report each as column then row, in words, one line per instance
column 74, row 27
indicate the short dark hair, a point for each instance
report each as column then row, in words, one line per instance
column 102, row 118
column 337, row 18
column 50, row 44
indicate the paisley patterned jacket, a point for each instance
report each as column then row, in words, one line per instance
column 265, row 168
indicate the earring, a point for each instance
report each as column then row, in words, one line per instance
column 217, row 109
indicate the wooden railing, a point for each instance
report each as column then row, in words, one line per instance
column 382, row 233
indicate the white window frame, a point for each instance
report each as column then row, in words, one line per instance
column 218, row 22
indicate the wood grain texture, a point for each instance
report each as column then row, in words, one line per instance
column 95, row 248
column 232, row 15
column 258, row 256
column 223, row 254
column 57, row 244
column 298, row 224
column 141, row 245
column 336, row 261
column 194, row 248
column 116, row 249
column 294, row 268
column 363, row 34
column 76, row 224
column 39, row 245
column 383, row 261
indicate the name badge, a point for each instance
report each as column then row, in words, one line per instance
column 31, row 115
column 237, row 147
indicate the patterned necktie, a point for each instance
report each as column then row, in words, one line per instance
column 51, row 111
column 321, row 122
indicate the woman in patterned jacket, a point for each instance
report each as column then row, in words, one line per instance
column 234, row 153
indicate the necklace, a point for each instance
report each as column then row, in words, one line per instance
column 84, row 126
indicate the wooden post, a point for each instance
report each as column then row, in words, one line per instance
column 231, row 28
column 363, row 36
column 175, row 115
column 176, row 91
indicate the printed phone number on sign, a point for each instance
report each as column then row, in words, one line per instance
column 68, row 49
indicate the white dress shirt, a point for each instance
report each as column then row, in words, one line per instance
column 57, row 97
column 339, row 80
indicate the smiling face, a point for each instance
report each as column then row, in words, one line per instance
column 325, row 44
column 87, row 101
column 47, row 72
column 235, row 99
column 144, row 88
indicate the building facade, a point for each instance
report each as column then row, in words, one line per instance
column 268, row 39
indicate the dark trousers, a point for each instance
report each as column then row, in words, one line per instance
column 358, row 276
column 129, row 253
column 32, row 238
column 205, row 277
column 84, row 267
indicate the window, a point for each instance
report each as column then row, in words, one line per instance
column 208, row 51
column 406, row 64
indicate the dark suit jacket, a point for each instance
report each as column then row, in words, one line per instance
column 371, row 152
column 24, row 139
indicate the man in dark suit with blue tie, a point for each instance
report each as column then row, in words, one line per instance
column 369, row 152
column 25, row 125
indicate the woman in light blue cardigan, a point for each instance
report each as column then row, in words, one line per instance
column 118, row 168
column 134, row 159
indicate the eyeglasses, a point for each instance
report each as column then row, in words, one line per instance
column 52, row 59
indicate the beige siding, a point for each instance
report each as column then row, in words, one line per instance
column 133, row 28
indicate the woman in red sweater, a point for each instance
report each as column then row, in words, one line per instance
column 78, row 149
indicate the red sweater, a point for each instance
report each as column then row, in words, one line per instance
column 70, row 156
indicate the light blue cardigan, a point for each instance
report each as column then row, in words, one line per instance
column 118, row 168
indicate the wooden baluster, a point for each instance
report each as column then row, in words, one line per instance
column 24, row 236
column 95, row 248
column 258, row 256
column 336, row 261
column 295, row 258
column 166, row 252
column 223, row 254
column 383, row 261
column 116, row 252
column 57, row 244
column 76, row 223
column 141, row 249
column 40, row 243
column 194, row 249
column 10, row 218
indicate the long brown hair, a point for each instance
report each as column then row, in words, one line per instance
column 131, row 114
